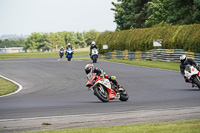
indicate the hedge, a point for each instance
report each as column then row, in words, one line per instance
column 185, row 37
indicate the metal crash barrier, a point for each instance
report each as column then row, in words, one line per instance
column 167, row 55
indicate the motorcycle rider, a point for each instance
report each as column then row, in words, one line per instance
column 187, row 61
column 90, row 68
column 68, row 46
column 93, row 45
column 62, row 49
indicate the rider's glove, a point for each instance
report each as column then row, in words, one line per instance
column 101, row 75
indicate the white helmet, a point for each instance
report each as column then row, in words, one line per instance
column 89, row 68
column 93, row 42
column 68, row 44
column 183, row 58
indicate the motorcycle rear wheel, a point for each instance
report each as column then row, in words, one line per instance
column 196, row 80
column 124, row 96
column 103, row 96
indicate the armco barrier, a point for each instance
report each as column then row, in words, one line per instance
column 125, row 54
column 138, row 55
column 197, row 57
column 119, row 55
column 156, row 54
column 131, row 55
column 114, row 54
column 167, row 55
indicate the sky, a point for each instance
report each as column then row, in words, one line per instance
column 23, row 17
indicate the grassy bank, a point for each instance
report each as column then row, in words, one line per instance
column 153, row 64
column 6, row 87
column 169, row 127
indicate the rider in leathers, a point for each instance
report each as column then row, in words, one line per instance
column 93, row 45
column 187, row 61
column 62, row 49
column 68, row 46
column 90, row 68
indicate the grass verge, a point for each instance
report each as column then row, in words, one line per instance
column 77, row 52
column 6, row 87
column 153, row 64
column 167, row 127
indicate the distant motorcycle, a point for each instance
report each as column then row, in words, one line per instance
column 193, row 75
column 94, row 55
column 69, row 54
column 104, row 89
column 61, row 53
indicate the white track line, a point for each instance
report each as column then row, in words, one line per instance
column 19, row 86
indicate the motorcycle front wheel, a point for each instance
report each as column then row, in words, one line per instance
column 101, row 94
column 94, row 58
column 196, row 80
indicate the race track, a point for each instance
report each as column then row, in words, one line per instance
column 57, row 88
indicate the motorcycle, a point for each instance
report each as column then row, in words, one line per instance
column 61, row 53
column 69, row 54
column 104, row 89
column 94, row 55
column 193, row 75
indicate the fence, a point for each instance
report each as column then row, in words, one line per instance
column 168, row 55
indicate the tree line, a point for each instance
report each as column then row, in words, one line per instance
column 5, row 43
column 130, row 14
column 51, row 41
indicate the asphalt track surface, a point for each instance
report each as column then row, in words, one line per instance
column 53, row 87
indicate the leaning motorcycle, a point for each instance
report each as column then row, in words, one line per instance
column 193, row 75
column 94, row 55
column 69, row 54
column 104, row 89
column 61, row 53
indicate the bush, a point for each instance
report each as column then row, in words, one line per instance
column 185, row 37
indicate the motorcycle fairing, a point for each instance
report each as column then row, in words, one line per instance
column 102, row 82
column 94, row 51
column 190, row 71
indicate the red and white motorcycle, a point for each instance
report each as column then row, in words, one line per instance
column 104, row 89
column 193, row 75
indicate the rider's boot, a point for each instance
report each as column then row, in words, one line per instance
column 120, row 88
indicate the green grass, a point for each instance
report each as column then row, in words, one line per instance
column 77, row 52
column 169, row 127
column 153, row 64
column 6, row 87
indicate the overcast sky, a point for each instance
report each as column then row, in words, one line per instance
column 27, row 16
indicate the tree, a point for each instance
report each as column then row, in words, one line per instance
column 130, row 13
column 56, row 40
column 45, row 44
column 80, row 40
column 91, row 36
column 147, row 13
column 33, row 41
column 157, row 12
column 196, row 14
